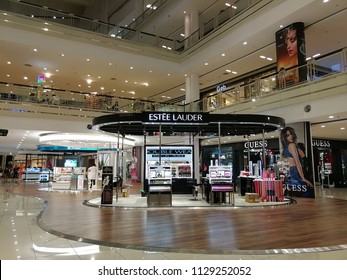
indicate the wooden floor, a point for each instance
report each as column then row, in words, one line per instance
column 310, row 223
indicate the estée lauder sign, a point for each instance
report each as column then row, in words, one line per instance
column 175, row 117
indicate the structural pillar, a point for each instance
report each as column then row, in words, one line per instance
column 191, row 24
column 192, row 93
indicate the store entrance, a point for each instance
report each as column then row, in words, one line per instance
column 324, row 171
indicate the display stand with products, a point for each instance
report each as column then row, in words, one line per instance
column 221, row 182
column 68, row 178
column 268, row 188
column 180, row 158
column 159, row 186
column 37, row 174
column 184, row 170
column 246, row 182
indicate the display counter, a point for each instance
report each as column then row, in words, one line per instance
column 37, row 174
column 159, row 186
column 246, row 184
column 68, row 178
column 159, row 195
column 269, row 190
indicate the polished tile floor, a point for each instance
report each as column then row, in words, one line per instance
column 21, row 238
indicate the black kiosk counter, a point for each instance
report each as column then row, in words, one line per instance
column 189, row 124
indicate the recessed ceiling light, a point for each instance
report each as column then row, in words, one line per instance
column 206, row 63
column 342, row 128
column 322, row 126
column 331, row 117
column 245, row 43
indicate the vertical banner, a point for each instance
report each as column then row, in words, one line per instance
column 296, row 146
column 107, row 185
column 291, row 54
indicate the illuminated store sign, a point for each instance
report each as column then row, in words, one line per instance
column 321, row 143
column 175, row 117
column 169, row 153
column 221, row 88
column 255, row 144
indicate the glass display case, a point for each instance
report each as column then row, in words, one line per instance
column 220, row 180
column 159, row 186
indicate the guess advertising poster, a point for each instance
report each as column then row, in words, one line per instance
column 296, row 162
column 291, row 53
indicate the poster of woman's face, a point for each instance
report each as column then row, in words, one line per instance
column 290, row 49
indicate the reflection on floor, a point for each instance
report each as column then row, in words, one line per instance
column 21, row 238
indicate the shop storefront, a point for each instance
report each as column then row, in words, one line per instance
column 173, row 169
column 240, row 155
column 330, row 162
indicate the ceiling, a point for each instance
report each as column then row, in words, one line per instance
column 123, row 69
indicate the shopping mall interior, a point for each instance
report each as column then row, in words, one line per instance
column 185, row 88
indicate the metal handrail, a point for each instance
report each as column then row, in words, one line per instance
column 128, row 33
column 318, row 69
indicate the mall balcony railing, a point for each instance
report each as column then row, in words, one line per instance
column 244, row 98
column 250, row 97
column 131, row 32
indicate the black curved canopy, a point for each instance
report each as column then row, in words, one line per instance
column 170, row 123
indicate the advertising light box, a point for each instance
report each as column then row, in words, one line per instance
column 169, row 153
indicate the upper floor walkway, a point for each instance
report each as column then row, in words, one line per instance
column 326, row 77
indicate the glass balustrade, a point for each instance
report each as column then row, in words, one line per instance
column 255, row 91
